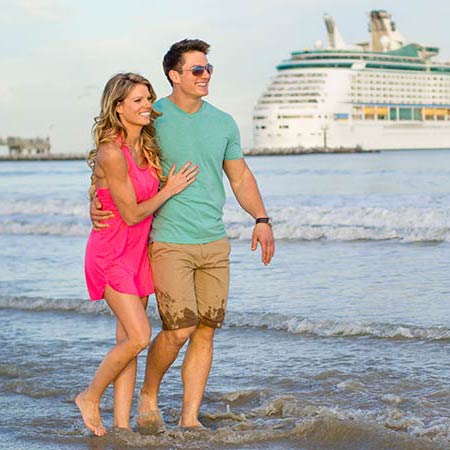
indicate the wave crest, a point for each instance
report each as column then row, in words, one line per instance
column 273, row 321
column 309, row 223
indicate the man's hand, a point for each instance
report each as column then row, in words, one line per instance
column 97, row 215
column 263, row 234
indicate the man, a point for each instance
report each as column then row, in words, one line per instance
column 189, row 251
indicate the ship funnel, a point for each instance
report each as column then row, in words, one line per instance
column 385, row 36
column 335, row 39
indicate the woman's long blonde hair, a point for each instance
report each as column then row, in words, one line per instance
column 108, row 128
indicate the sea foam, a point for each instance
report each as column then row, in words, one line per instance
column 308, row 223
column 273, row 321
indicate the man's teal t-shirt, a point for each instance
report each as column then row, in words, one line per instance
column 207, row 138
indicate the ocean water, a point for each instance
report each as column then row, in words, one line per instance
column 342, row 343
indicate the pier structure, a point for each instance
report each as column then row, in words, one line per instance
column 27, row 147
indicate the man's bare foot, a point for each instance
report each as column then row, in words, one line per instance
column 148, row 418
column 191, row 425
column 123, row 431
column 90, row 412
column 150, row 423
column 122, row 427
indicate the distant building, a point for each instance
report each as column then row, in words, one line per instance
column 4, row 150
column 23, row 147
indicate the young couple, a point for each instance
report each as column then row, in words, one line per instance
column 182, row 144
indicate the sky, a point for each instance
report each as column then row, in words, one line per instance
column 57, row 55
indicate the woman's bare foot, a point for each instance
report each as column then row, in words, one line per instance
column 90, row 412
column 148, row 418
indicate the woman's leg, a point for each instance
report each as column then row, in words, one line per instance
column 125, row 383
column 131, row 313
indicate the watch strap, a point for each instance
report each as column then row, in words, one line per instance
column 267, row 220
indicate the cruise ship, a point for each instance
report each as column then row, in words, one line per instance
column 385, row 94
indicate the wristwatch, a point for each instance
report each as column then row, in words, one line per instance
column 267, row 220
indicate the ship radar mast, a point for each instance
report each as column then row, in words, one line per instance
column 384, row 35
column 335, row 40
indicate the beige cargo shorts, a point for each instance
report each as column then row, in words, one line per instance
column 191, row 282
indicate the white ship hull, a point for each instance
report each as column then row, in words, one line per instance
column 390, row 137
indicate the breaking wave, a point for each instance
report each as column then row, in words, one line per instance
column 309, row 223
column 288, row 423
column 407, row 224
column 272, row 321
column 336, row 328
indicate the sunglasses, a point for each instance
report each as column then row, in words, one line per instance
column 198, row 71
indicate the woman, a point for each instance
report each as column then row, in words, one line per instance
column 126, row 173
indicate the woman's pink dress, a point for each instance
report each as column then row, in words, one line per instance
column 117, row 256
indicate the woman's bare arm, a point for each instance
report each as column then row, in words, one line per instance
column 114, row 166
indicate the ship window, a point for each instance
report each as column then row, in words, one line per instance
column 405, row 113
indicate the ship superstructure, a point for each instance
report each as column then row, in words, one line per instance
column 387, row 93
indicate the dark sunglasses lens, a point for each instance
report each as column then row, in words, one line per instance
column 197, row 70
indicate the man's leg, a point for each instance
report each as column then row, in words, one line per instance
column 195, row 371
column 162, row 353
column 211, row 291
column 173, row 274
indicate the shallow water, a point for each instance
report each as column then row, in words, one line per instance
column 342, row 343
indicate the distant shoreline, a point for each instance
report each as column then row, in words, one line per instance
column 51, row 157
column 303, row 151
column 247, row 152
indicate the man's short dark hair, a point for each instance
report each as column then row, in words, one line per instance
column 173, row 59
